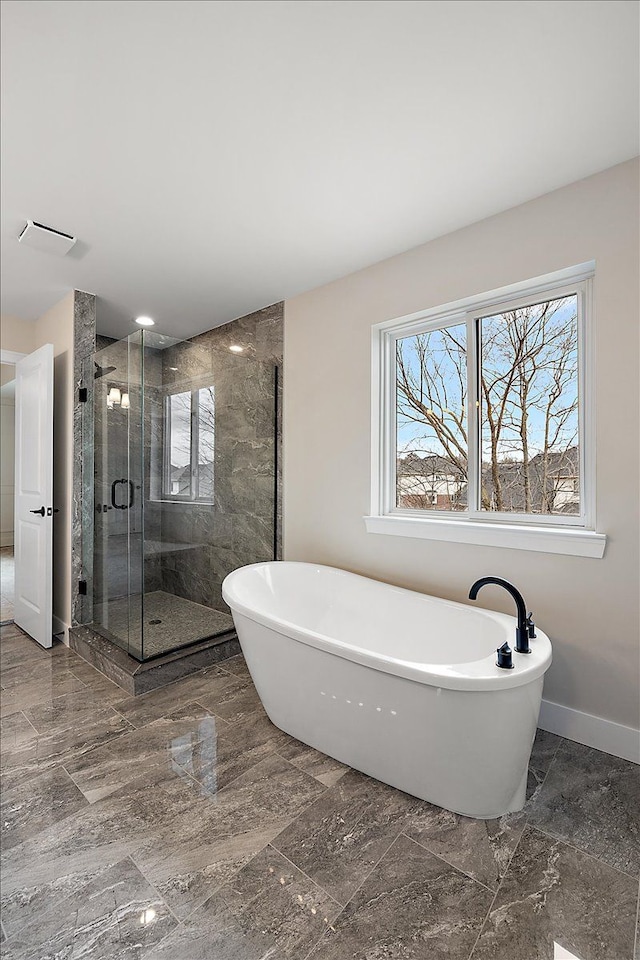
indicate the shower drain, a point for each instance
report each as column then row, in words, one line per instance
column 154, row 622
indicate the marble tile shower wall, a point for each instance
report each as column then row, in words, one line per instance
column 239, row 527
column 84, row 345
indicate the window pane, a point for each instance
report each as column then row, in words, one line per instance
column 529, row 385
column 431, row 420
column 206, row 435
column 180, row 448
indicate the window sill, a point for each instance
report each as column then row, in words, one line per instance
column 174, row 500
column 568, row 540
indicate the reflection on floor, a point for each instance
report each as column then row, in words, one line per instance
column 7, row 584
column 169, row 621
column 182, row 825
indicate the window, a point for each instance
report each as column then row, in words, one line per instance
column 189, row 444
column 482, row 415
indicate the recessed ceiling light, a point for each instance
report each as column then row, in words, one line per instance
column 235, row 348
column 145, row 321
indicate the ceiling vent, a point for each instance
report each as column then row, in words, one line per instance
column 46, row 239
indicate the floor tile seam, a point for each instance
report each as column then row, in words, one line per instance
column 495, row 896
column 27, row 719
column 199, row 782
column 484, row 922
column 125, row 695
column 31, row 663
column 53, row 730
column 458, row 869
column 551, row 762
column 211, row 892
column 73, row 753
column 71, row 777
column 130, row 858
column 369, row 872
column 34, row 836
column 38, row 703
column 217, row 716
column 293, row 762
column 164, row 716
column 572, row 846
column 347, row 902
column 320, row 797
column 232, row 876
column 28, row 656
column 229, row 673
column 307, row 877
column 50, row 769
column 33, row 920
column 300, row 770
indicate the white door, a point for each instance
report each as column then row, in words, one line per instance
column 34, row 494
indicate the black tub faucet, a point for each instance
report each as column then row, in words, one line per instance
column 526, row 626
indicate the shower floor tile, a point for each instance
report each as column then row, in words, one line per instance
column 180, row 622
column 183, row 825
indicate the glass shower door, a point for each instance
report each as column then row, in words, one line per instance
column 118, row 521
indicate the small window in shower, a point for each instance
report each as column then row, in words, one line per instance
column 189, row 444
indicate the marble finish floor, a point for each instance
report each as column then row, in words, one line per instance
column 7, row 584
column 169, row 622
column 182, row 825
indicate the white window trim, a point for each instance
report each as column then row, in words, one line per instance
column 571, row 535
column 193, row 387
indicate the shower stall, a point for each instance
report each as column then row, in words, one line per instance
column 184, row 486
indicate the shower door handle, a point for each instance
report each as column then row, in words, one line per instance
column 120, row 506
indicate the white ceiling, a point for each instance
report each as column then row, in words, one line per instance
column 214, row 157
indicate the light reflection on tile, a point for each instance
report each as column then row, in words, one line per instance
column 193, row 855
column 117, row 916
column 191, row 791
column 269, row 909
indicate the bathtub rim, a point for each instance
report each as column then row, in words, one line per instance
column 473, row 676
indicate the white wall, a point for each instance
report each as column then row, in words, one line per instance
column 17, row 335
column 7, row 468
column 588, row 607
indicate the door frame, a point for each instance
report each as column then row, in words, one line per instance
column 12, row 357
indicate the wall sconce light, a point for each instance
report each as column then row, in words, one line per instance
column 124, row 403
column 114, row 395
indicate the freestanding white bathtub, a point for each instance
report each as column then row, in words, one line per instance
column 397, row 684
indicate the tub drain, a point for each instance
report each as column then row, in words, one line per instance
column 154, row 622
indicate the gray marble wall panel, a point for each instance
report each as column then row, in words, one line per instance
column 84, row 345
column 240, row 526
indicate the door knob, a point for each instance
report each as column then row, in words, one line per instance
column 40, row 511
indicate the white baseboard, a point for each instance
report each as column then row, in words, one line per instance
column 605, row 735
column 60, row 627
column 6, row 538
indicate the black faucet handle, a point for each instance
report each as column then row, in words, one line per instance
column 531, row 627
column 505, row 659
